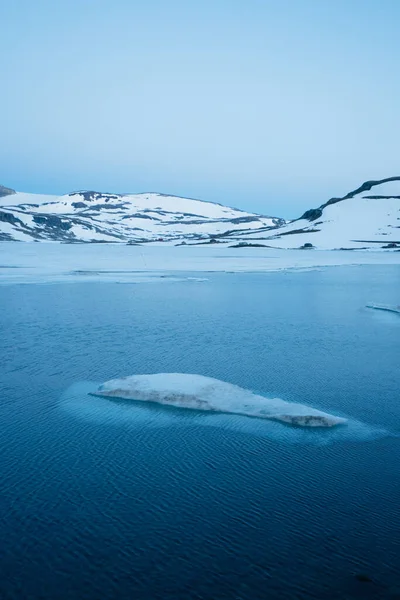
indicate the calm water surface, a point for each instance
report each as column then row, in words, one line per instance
column 103, row 499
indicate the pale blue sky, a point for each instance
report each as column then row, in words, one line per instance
column 273, row 106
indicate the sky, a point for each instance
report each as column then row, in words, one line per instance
column 266, row 105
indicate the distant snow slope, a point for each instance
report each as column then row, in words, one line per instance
column 368, row 217
column 92, row 216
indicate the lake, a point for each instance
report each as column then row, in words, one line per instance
column 110, row 499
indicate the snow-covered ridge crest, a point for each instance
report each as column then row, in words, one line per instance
column 207, row 394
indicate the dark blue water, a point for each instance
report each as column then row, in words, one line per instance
column 106, row 500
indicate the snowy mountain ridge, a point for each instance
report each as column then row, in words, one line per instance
column 89, row 216
column 368, row 217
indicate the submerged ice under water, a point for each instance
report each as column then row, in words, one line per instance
column 84, row 401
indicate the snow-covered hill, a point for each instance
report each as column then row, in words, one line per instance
column 96, row 217
column 368, row 217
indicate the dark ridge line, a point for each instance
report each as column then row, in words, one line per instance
column 377, row 241
column 365, row 187
column 315, row 213
column 382, row 197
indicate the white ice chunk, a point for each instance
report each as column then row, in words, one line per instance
column 207, row 394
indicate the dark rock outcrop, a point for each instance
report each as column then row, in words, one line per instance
column 90, row 195
column 5, row 191
column 312, row 214
column 52, row 221
column 6, row 217
column 248, row 245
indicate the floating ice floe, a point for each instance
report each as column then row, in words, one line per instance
column 207, row 394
